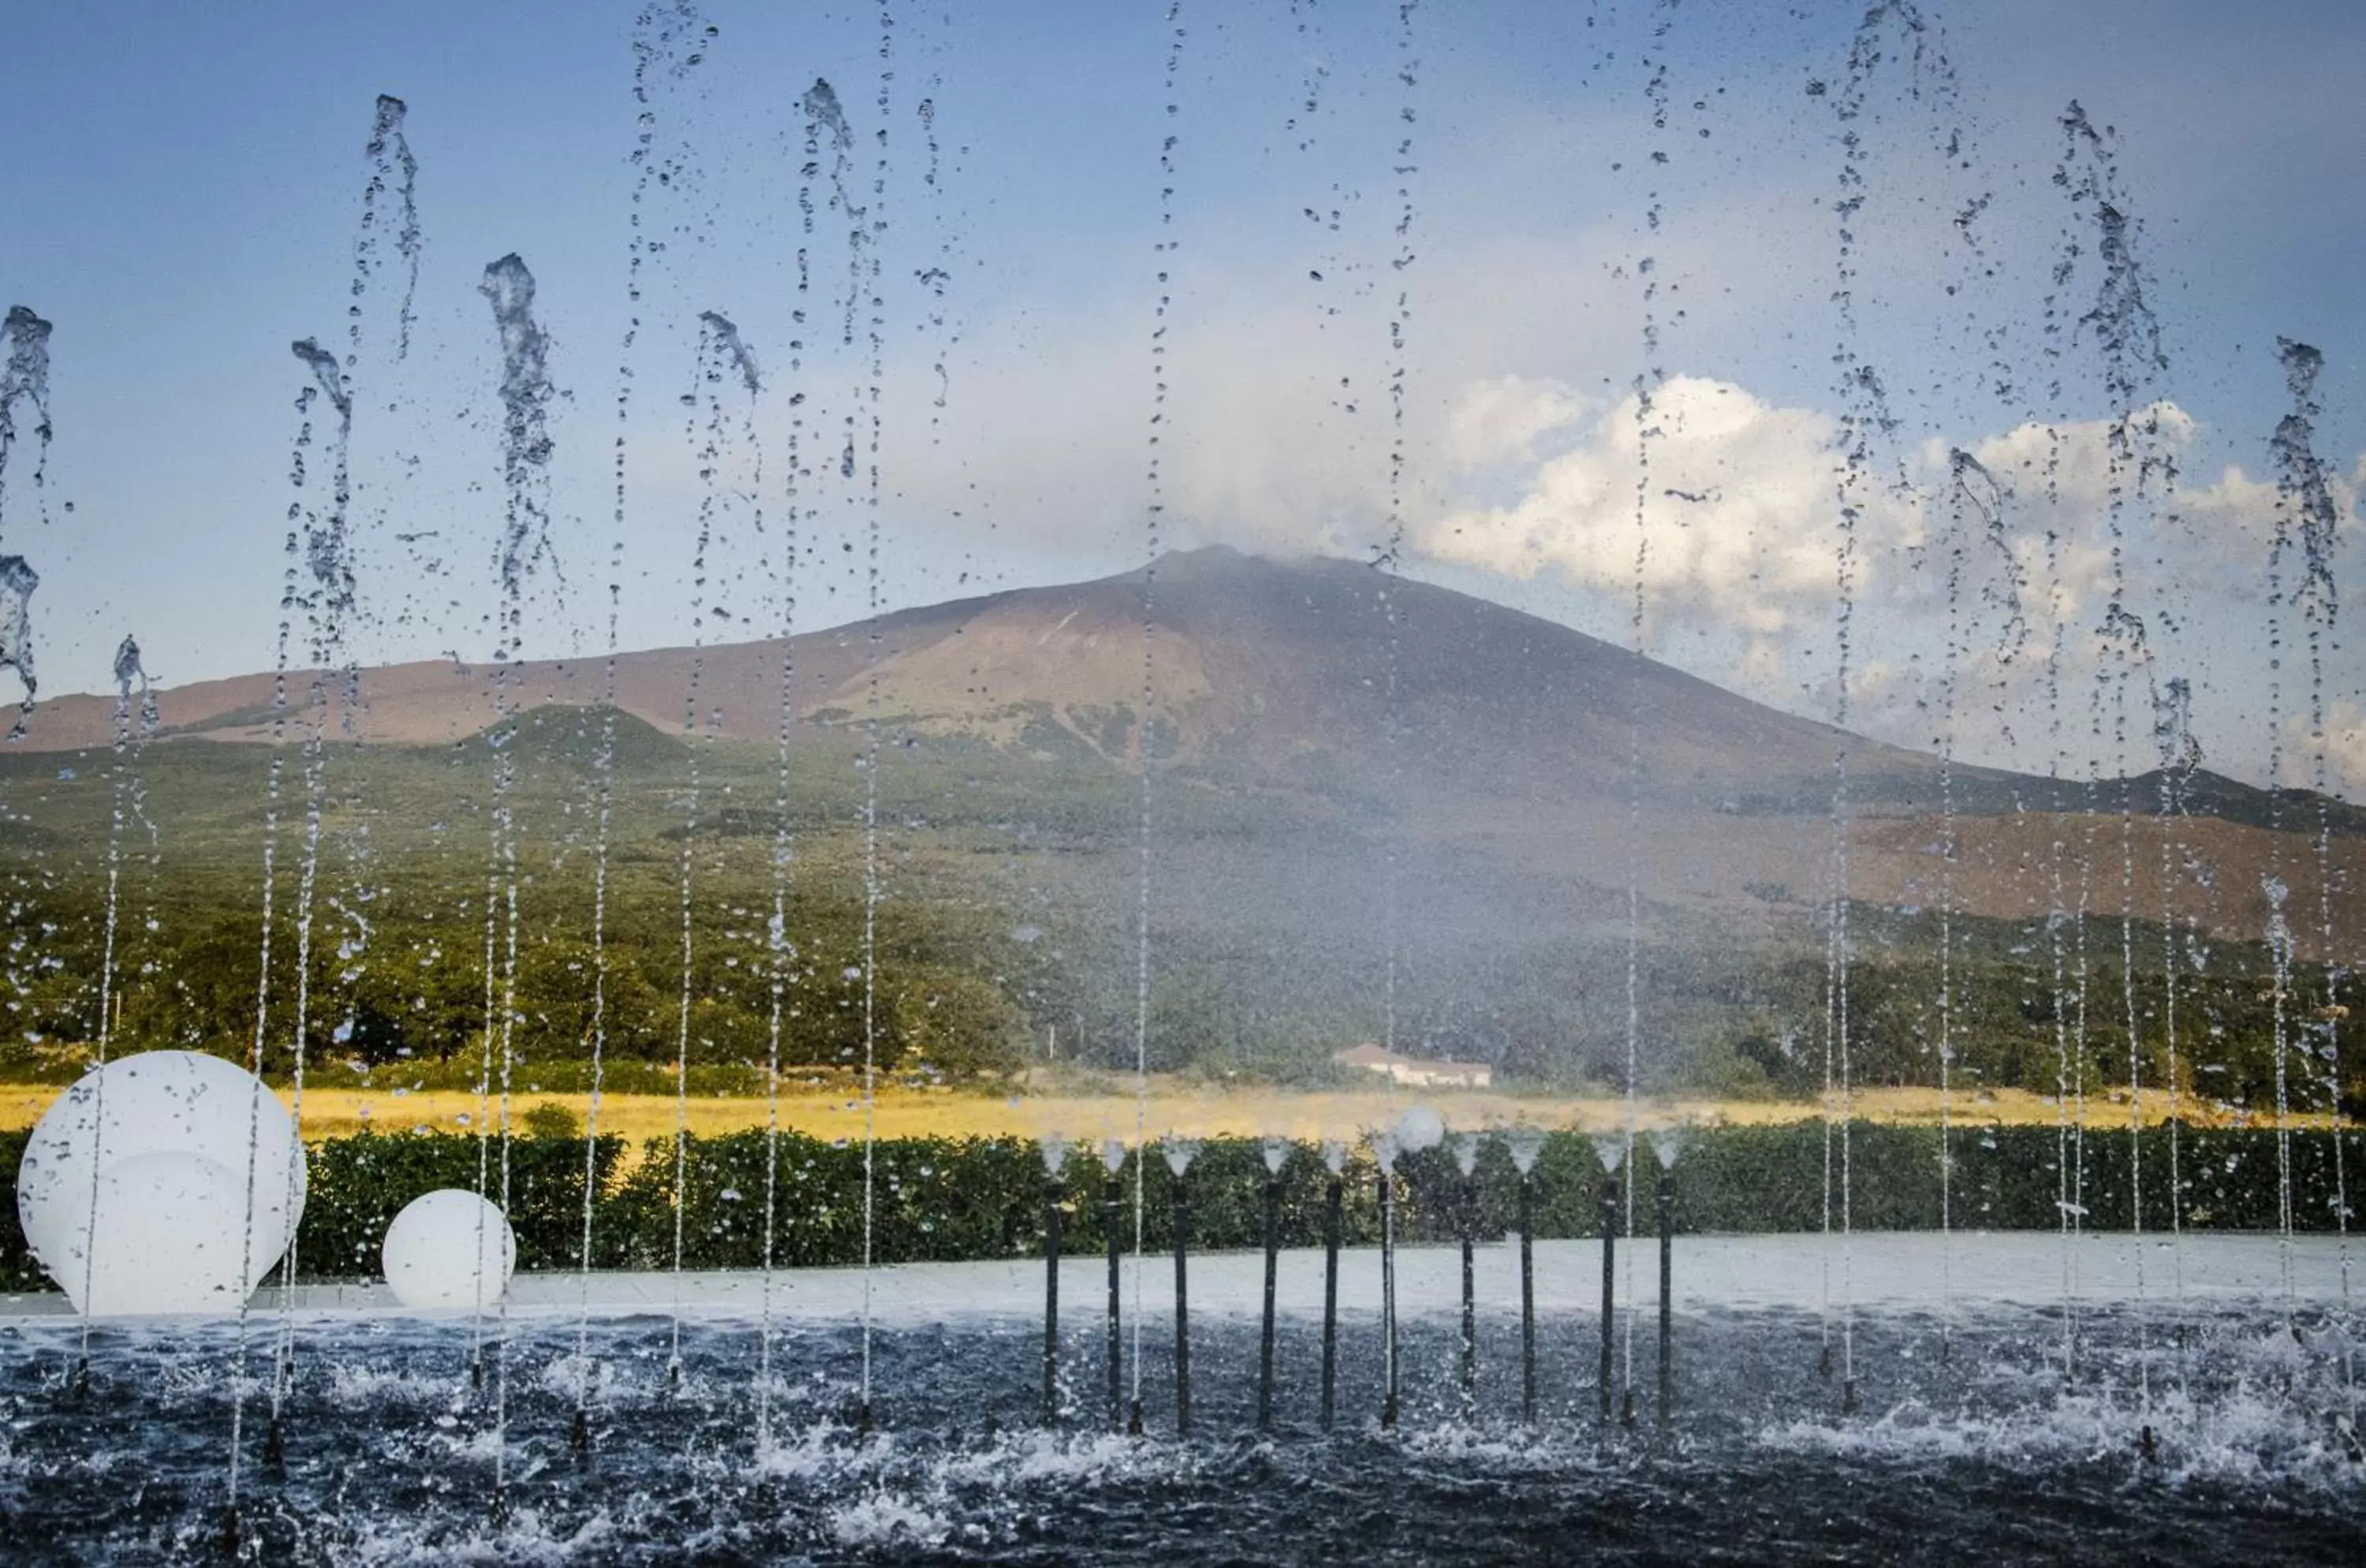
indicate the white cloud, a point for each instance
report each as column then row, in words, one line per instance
column 1739, row 570
column 1734, row 515
column 2343, row 745
column 1500, row 421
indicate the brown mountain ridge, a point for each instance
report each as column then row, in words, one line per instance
column 1522, row 748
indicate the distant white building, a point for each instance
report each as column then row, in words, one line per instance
column 1414, row 1069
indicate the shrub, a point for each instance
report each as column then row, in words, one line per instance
column 938, row 1198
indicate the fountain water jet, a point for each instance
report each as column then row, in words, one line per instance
column 126, row 796
column 1667, row 1144
column 1180, row 1153
column 1276, row 1154
column 526, row 392
column 1113, row 1155
column 1465, row 1162
column 1334, row 1160
column 1610, row 1148
column 2310, row 517
column 1385, row 1150
column 1054, row 1150
column 1525, row 1143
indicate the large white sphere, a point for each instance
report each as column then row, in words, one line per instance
column 449, row 1248
column 169, row 1237
column 160, row 1102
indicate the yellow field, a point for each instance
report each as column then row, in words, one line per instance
column 1091, row 1116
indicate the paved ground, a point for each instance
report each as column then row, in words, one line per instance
column 1890, row 1270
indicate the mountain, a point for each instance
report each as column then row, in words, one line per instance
column 1258, row 664
column 1532, row 772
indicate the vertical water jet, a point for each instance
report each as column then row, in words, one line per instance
column 1612, row 1151
column 1054, row 1150
column 526, row 392
column 1275, row 1153
column 2305, row 492
column 1334, row 1158
column 1668, row 1143
column 325, row 549
column 24, row 384
column 874, row 234
column 257, row 1044
column 1466, row 1206
column 1384, row 1156
column 125, row 798
column 1525, row 1143
column 1154, row 518
column 1112, row 1213
column 1180, row 1153
column 392, row 165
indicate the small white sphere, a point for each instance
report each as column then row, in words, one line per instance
column 168, row 1236
column 1420, row 1128
column 160, row 1102
column 449, row 1248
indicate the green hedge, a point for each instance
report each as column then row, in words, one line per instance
column 943, row 1198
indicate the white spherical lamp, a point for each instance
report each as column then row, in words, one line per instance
column 140, row 1108
column 168, row 1236
column 449, row 1249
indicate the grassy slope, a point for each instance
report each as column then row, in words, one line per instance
column 1015, row 868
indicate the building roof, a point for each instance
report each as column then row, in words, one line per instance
column 1369, row 1054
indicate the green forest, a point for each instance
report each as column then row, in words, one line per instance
column 1002, row 925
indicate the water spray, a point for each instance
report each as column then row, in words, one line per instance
column 1525, row 1144
column 1112, row 1226
column 1384, row 1152
column 1465, row 1160
column 1667, row 1143
column 1277, row 1152
column 1334, row 1159
column 1179, row 1152
column 1054, row 1150
column 1611, row 1149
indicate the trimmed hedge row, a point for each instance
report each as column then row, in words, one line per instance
column 944, row 1199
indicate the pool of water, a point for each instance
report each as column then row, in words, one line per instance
column 1970, row 1443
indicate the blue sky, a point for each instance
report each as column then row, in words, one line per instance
column 184, row 182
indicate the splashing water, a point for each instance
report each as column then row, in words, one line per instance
column 1154, row 519
column 934, row 279
column 1649, row 430
column 322, row 374
column 18, row 580
column 1965, row 474
column 2181, row 758
column 25, row 383
column 2128, row 337
column 660, row 55
column 526, row 392
column 126, row 799
column 323, row 548
column 864, row 263
column 826, row 118
column 715, row 439
column 2305, row 491
column 2280, row 953
column 733, row 349
column 392, row 165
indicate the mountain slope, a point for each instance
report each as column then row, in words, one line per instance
column 1532, row 768
column 1257, row 663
